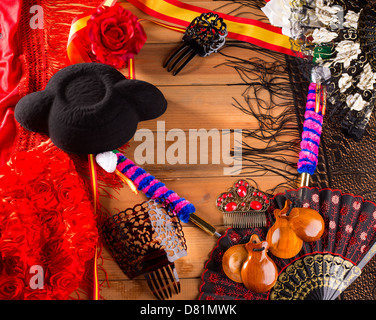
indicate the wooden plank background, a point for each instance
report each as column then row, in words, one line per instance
column 201, row 97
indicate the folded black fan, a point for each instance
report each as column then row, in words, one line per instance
column 322, row 269
column 367, row 33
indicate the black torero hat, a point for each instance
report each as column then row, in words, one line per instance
column 88, row 108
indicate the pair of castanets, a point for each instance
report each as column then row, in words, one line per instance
column 250, row 264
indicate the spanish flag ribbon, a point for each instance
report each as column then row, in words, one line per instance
column 168, row 26
column 243, row 29
column 95, row 192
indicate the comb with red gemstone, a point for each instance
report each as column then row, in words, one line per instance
column 243, row 206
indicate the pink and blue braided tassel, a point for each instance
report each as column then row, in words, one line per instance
column 154, row 189
column 312, row 128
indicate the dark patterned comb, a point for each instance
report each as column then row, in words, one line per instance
column 164, row 282
column 205, row 35
column 146, row 240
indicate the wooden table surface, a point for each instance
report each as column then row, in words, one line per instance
column 201, row 97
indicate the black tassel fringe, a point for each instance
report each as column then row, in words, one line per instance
column 270, row 99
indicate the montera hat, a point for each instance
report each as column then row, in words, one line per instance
column 89, row 108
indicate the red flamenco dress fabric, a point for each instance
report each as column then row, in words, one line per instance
column 46, row 222
column 46, row 216
column 10, row 74
column 41, row 50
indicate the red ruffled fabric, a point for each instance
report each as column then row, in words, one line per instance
column 10, row 74
column 46, row 221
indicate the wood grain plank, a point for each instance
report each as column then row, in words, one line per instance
column 200, row 97
column 193, row 107
column 199, row 246
column 197, row 160
column 181, row 172
column 139, row 290
column 200, row 71
column 202, row 192
column 213, row 108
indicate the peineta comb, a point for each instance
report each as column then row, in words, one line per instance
column 146, row 240
column 243, row 206
column 205, row 34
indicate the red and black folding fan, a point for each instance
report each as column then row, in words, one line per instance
column 322, row 269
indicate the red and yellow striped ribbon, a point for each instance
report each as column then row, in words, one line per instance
column 127, row 181
column 95, row 276
column 181, row 14
column 175, row 28
column 243, row 29
column 131, row 69
column 94, row 185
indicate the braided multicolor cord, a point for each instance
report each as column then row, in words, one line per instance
column 312, row 128
column 153, row 188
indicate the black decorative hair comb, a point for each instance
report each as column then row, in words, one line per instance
column 205, row 34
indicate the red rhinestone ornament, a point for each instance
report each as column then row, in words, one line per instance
column 243, row 206
column 242, row 191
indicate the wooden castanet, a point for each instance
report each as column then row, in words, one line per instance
column 307, row 224
column 282, row 239
column 259, row 273
column 292, row 228
column 249, row 264
column 233, row 260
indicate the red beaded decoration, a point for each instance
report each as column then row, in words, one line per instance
column 243, row 203
column 242, row 197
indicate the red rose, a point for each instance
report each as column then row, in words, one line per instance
column 28, row 167
column 69, row 190
column 51, row 218
column 64, row 283
column 58, row 164
column 115, row 35
column 42, row 195
column 79, row 218
column 13, row 265
column 10, row 185
column 11, row 288
column 85, row 246
column 58, row 253
column 53, row 224
column 36, row 294
column 12, row 236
